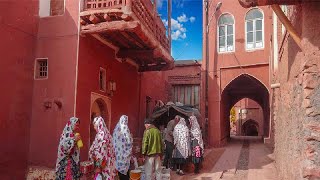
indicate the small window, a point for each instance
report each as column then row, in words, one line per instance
column 41, row 69
column 226, row 33
column 102, row 80
column 254, row 30
column 51, row 7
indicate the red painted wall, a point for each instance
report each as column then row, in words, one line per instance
column 57, row 41
column 125, row 101
column 224, row 67
column 18, row 30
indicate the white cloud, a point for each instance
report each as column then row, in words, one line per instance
column 178, row 31
column 192, row 19
column 159, row 3
column 182, row 18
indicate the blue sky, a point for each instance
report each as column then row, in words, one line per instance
column 186, row 25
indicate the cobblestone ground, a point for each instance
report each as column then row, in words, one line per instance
column 244, row 158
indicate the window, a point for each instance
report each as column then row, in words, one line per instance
column 187, row 94
column 51, row 7
column 226, row 33
column 41, row 69
column 102, row 80
column 254, row 29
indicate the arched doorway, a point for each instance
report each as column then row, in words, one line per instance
column 244, row 86
column 98, row 108
column 250, row 128
column 245, row 110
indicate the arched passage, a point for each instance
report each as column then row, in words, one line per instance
column 250, row 128
column 98, row 108
column 244, row 86
column 242, row 113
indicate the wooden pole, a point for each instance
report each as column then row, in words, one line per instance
column 287, row 24
column 169, row 24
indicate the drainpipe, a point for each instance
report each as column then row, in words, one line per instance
column 276, row 8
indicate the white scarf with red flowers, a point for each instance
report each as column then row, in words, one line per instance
column 195, row 130
column 67, row 143
column 102, row 149
column 181, row 137
column 122, row 142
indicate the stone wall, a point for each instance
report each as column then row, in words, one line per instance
column 296, row 105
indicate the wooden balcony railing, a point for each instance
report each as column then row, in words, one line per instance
column 143, row 10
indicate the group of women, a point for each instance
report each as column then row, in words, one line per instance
column 188, row 143
column 110, row 153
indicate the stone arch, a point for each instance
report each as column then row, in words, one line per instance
column 243, row 86
column 250, row 128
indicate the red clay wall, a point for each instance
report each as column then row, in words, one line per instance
column 125, row 101
column 18, row 30
column 296, row 103
column 57, row 41
column 224, row 67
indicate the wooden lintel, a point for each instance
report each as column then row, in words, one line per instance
column 110, row 27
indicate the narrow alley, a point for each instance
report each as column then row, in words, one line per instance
column 244, row 158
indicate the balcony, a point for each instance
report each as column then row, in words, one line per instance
column 133, row 27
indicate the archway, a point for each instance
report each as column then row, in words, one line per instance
column 245, row 111
column 244, row 86
column 98, row 108
column 250, row 128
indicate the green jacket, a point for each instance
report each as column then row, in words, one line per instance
column 152, row 141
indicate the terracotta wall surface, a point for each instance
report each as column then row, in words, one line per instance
column 125, row 101
column 57, row 40
column 18, row 28
column 296, row 103
column 225, row 67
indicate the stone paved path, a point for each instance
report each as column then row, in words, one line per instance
column 243, row 159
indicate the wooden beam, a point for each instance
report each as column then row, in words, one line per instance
column 134, row 53
column 82, row 22
column 110, row 27
column 94, row 19
column 287, row 24
column 132, row 40
column 106, row 17
column 157, row 67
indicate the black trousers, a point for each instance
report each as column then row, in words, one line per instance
column 168, row 156
column 124, row 177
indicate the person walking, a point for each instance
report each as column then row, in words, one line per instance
column 197, row 146
column 169, row 142
column 182, row 145
column 67, row 166
column 152, row 150
column 122, row 141
column 102, row 151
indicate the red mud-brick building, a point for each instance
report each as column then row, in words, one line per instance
column 68, row 58
column 182, row 84
column 236, row 57
column 295, row 86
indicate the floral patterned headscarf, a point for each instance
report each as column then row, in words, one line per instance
column 122, row 142
column 195, row 130
column 181, row 137
column 67, row 143
column 102, row 150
